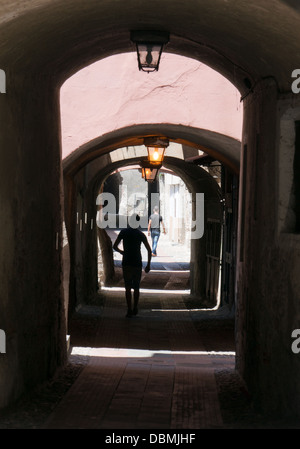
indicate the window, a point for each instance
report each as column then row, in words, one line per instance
column 174, row 203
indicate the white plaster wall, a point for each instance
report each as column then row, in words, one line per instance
column 113, row 93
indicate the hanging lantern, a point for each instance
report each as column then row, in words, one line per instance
column 156, row 147
column 149, row 46
column 149, row 171
column 156, row 154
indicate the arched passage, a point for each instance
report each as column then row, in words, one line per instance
column 223, row 148
column 82, row 183
column 171, row 269
column 227, row 37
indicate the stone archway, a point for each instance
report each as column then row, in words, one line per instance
column 228, row 38
column 83, row 181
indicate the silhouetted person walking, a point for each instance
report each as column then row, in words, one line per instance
column 155, row 220
column 132, row 238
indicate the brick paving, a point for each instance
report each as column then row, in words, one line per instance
column 171, row 367
column 151, row 371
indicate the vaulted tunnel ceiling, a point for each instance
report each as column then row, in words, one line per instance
column 223, row 148
column 240, row 39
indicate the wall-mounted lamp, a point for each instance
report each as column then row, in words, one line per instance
column 149, row 46
column 156, row 147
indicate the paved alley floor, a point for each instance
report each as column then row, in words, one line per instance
column 170, row 367
column 151, row 371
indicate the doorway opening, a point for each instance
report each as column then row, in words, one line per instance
column 202, row 267
column 170, row 269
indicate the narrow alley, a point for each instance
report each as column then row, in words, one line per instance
column 170, row 367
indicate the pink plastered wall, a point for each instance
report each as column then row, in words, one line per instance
column 112, row 93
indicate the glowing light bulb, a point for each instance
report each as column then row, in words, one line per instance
column 155, row 155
